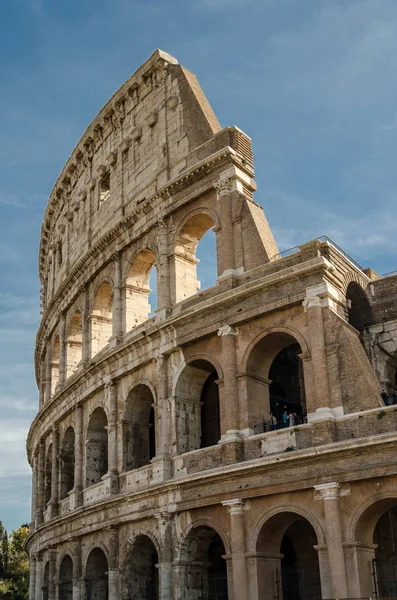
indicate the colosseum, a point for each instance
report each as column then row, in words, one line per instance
column 233, row 443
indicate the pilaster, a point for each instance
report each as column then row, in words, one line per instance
column 235, row 508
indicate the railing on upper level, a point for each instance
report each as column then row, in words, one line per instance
column 323, row 238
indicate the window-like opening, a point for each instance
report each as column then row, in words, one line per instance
column 96, row 447
column 59, row 254
column 96, row 576
column 139, row 428
column 48, row 475
column 291, row 540
column 67, row 463
column 74, row 344
column 104, row 189
column 137, row 290
column 186, row 260
column 360, row 312
column 205, row 572
column 55, row 364
column 197, row 396
column 141, row 572
column 46, row 582
column 101, row 318
column 66, row 579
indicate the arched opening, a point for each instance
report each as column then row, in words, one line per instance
column 66, row 579
column 390, row 379
column 360, row 312
column 275, row 383
column 197, row 397
column 55, row 350
column 385, row 563
column 137, row 290
column 139, row 428
column 48, row 475
column 67, row 463
column 141, row 579
column 96, row 447
column 185, row 257
column 96, row 576
column 205, row 571
column 287, row 563
column 74, row 344
column 101, row 318
column 46, row 582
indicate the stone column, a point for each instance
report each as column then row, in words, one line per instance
column 163, row 271
column 38, row 595
column 40, row 484
column 165, row 558
column 52, row 574
column 86, row 345
column 111, row 389
column 54, row 502
column 113, row 573
column 330, row 493
column 313, row 307
column 117, row 308
column 76, row 498
column 229, row 400
column 62, row 350
column 32, row 577
column 224, row 189
column 34, row 490
column 77, row 573
column 237, row 527
column 162, row 462
column 48, row 372
column 262, row 568
column 42, row 383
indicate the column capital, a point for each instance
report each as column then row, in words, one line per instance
column 227, row 330
column 311, row 302
column 234, row 506
column 328, row 491
column 223, row 186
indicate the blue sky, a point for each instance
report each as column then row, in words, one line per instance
column 313, row 82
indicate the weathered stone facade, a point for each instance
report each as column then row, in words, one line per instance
column 158, row 471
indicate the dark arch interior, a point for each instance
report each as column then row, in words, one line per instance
column 97, row 447
column 385, row 536
column 142, row 578
column 48, row 475
column 210, row 414
column 67, row 463
column 66, row 579
column 139, row 428
column 360, row 312
column 96, row 576
column 287, row 392
column 46, row 582
column 206, row 569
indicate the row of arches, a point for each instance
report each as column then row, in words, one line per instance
column 284, row 565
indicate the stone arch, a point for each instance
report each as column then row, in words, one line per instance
column 197, row 397
column 140, row 575
column 351, row 276
column 146, row 532
column 48, row 475
column 101, row 316
column 65, row 578
column 96, row 575
column 137, row 307
column 139, row 427
column 287, row 562
column 67, row 456
column 203, row 522
column 187, row 237
column 362, row 523
column 74, row 343
column 202, row 568
column 295, row 333
column 55, row 354
column 359, row 312
column 96, row 447
column 275, row 386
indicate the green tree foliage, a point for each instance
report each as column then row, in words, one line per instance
column 14, row 564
